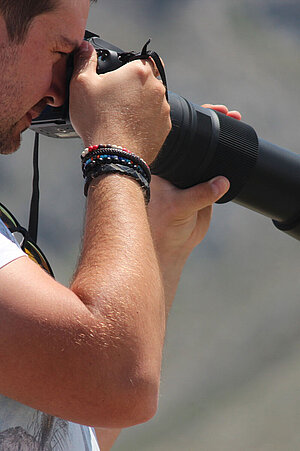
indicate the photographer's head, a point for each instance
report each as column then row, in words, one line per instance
column 36, row 37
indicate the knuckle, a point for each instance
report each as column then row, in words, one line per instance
column 158, row 88
column 141, row 71
column 161, row 87
column 169, row 125
column 167, row 109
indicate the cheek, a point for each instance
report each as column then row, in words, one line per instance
column 60, row 71
column 38, row 80
column 51, row 76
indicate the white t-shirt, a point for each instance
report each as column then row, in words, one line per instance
column 27, row 429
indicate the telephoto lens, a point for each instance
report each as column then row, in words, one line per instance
column 204, row 144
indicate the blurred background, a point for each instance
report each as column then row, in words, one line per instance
column 231, row 373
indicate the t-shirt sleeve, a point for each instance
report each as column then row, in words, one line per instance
column 9, row 248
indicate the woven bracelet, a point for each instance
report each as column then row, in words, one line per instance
column 100, row 160
column 92, row 152
column 114, row 168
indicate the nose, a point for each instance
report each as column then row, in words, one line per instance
column 56, row 94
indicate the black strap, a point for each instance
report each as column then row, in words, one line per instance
column 126, row 57
column 35, row 197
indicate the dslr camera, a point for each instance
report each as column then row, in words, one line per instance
column 204, row 144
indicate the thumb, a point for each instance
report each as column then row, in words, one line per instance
column 85, row 60
column 200, row 196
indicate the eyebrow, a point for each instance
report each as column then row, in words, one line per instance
column 69, row 42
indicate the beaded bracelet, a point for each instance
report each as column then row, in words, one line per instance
column 107, row 158
column 104, row 146
column 113, row 168
column 92, row 151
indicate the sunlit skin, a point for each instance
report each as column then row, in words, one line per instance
column 34, row 76
column 34, row 72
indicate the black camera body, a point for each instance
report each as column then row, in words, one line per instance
column 203, row 144
column 55, row 122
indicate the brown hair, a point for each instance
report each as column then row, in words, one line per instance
column 18, row 15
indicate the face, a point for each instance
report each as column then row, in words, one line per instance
column 34, row 73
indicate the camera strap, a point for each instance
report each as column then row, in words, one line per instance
column 127, row 57
column 35, row 197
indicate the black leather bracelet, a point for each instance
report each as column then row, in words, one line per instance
column 115, row 168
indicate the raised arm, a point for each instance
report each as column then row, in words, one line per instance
column 179, row 221
column 92, row 353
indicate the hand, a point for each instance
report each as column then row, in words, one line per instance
column 125, row 107
column 179, row 219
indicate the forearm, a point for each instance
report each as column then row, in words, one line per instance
column 118, row 276
column 118, row 261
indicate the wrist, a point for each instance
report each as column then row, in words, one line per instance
column 104, row 159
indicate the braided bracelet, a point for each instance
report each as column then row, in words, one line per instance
column 107, row 158
column 113, row 168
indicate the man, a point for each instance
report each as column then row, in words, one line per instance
column 89, row 354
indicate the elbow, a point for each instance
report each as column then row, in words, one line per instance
column 145, row 404
column 130, row 406
column 140, row 408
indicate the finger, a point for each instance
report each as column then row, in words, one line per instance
column 156, row 69
column 235, row 115
column 152, row 64
column 221, row 108
column 85, row 59
column 203, row 195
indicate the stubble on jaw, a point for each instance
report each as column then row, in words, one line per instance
column 10, row 140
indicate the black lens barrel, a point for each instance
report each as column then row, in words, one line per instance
column 204, row 144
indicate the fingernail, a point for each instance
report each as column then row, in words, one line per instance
column 219, row 185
